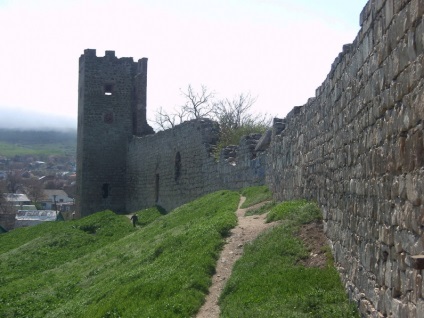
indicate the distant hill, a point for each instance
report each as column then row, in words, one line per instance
column 37, row 137
column 27, row 142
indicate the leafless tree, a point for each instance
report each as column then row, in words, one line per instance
column 198, row 104
column 54, row 184
column 165, row 120
column 5, row 206
column 233, row 115
column 236, row 119
column 236, row 112
column 34, row 189
column 14, row 181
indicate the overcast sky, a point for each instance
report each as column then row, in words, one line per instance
column 278, row 50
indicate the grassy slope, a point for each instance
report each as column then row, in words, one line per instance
column 101, row 266
column 36, row 143
column 267, row 282
column 10, row 150
column 160, row 270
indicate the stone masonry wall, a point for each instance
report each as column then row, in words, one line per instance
column 357, row 149
column 178, row 165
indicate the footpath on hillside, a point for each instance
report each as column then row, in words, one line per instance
column 247, row 229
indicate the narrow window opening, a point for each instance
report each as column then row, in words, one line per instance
column 105, row 190
column 108, row 89
column 157, row 188
column 177, row 168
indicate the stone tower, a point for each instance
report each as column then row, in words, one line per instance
column 111, row 109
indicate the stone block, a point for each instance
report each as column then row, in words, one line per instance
column 418, row 282
column 406, row 278
column 386, row 235
column 396, row 308
column 416, row 10
column 419, row 38
column 412, row 191
column 402, row 183
column 420, row 308
column 412, row 310
column 396, row 284
column 402, row 261
column 388, row 274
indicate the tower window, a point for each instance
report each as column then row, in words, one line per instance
column 108, row 89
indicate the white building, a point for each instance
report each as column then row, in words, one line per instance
column 51, row 198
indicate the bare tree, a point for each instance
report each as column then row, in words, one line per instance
column 3, row 191
column 6, row 207
column 198, row 103
column 14, row 181
column 236, row 120
column 34, row 189
column 233, row 115
column 165, row 120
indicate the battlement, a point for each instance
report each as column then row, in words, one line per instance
column 91, row 54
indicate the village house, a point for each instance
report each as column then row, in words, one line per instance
column 54, row 198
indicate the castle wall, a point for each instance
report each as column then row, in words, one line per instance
column 123, row 166
column 178, row 165
column 357, row 149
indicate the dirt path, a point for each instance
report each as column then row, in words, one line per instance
column 248, row 228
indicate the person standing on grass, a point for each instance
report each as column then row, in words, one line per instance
column 134, row 219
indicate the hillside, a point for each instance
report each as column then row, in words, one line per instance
column 101, row 266
column 37, row 142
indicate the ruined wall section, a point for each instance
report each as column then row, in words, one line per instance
column 178, row 165
column 168, row 168
column 241, row 165
column 357, row 149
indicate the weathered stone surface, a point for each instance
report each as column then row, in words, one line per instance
column 264, row 142
column 359, row 153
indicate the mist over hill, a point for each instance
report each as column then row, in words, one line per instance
column 24, row 119
column 37, row 137
column 37, row 144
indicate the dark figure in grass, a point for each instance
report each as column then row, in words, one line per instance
column 134, row 219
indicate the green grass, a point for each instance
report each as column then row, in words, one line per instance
column 265, row 208
column 100, row 266
column 10, row 150
column 267, row 282
column 147, row 216
column 255, row 195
